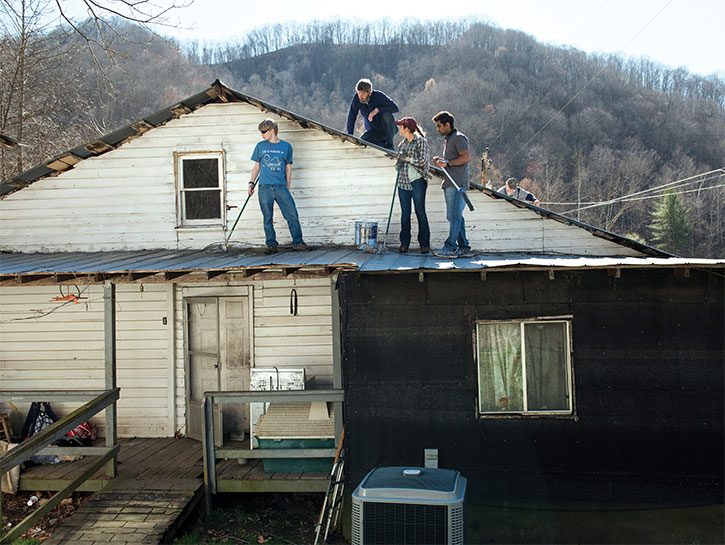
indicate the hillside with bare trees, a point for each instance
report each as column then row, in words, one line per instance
column 600, row 138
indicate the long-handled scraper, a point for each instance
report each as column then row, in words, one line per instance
column 223, row 247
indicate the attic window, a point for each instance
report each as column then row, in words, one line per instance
column 524, row 367
column 201, row 188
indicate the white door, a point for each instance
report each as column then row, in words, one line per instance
column 218, row 360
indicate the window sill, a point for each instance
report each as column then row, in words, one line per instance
column 513, row 415
column 199, row 228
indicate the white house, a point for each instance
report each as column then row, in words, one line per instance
column 120, row 210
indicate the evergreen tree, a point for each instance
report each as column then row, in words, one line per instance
column 670, row 225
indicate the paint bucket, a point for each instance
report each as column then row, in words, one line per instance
column 366, row 234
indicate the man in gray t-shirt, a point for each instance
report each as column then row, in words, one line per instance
column 455, row 161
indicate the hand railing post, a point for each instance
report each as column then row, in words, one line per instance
column 209, row 452
column 109, row 336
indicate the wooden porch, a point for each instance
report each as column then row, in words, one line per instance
column 156, row 464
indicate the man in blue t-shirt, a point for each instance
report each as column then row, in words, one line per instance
column 273, row 163
column 377, row 111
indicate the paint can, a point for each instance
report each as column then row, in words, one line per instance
column 366, row 234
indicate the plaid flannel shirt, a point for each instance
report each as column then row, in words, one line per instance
column 417, row 154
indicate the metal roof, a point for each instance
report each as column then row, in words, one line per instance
column 8, row 142
column 134, row 265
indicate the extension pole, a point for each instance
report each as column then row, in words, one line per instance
column 390, row 214
column 226, row 239
column 460, row 189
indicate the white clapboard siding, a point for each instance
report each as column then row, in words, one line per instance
column 65, row 350
column 279, row 339
column 125, row 199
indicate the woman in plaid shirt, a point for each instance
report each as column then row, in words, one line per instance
column 412, row 166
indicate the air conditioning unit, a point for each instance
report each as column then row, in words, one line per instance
column 409, row 506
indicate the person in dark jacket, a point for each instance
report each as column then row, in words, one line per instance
column 512, row 189
column 377, row 111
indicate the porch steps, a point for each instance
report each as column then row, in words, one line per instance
column 128, row 516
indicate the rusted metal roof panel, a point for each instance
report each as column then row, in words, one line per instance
column 154, row 261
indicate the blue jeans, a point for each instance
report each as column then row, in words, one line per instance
column 382, row 133
column 417, row 194
column 454, row 214
column 268, row 195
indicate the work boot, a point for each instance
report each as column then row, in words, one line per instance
column 301, row 247
column 270, row 250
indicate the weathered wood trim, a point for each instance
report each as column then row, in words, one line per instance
column 337, row 382
column 170, row 347
column 49, row 395
column 300, row 485
column 275, row 453
column 290, row 396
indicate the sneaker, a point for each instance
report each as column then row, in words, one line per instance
column 424, row 249
column 465, row 252
column 301, row 247
column 446, row 253
column 403, row 250
column 270, row 250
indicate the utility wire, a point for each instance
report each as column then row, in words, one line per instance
column 658, row 188
column 657, row 196
column 679, row 193
column 580, row 91
column 582, row 29
column 681, row 181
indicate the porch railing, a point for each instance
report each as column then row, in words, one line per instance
column 41, row 441
column 212, row 452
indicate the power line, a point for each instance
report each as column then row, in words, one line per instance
column 699, row 189
column 580, row 91
column 605, row 203
column 582, row 29
column 694, row 178
column 627, row 198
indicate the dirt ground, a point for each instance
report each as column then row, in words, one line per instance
column 15, row 508
column 254, row 519
column 258, row 519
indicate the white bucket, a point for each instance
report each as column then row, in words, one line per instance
column 366, row 234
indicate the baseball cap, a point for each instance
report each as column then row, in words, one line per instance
column 408, row 122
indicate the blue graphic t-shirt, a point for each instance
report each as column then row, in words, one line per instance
column 272, row 158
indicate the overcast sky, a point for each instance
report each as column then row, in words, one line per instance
column 677, row 33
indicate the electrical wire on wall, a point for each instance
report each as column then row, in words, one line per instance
column 63, row 300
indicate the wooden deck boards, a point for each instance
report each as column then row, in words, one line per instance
column 170, row 464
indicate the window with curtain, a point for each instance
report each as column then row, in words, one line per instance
column 524, row 366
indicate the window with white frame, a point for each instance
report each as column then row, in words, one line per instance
column 201, row 188
column 524, row 366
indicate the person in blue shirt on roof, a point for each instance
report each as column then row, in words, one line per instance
column 273, row 163
column 377, row 111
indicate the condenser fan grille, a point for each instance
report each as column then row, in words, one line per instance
column 405, row 524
